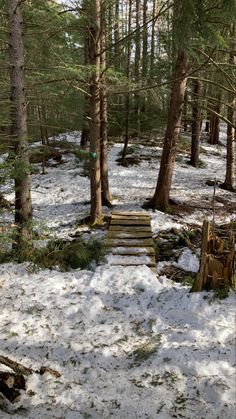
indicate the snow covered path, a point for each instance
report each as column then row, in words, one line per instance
column 127, row 345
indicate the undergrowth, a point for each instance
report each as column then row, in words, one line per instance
column 220, row 293
column 58, row 253
column 66, row 255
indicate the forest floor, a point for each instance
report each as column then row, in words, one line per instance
column 127, row 344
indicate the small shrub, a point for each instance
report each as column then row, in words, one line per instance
column 188, row 280
column 222, row 292
column 66, row 255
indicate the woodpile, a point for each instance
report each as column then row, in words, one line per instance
column 217, row 264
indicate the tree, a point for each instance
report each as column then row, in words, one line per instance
column 106, row 196
column 230, row 157
column 94, row 10
column 128, row 74
column 161, row 196
column 194, row 22
column 85, row 128
column 23, row 206
column 196, row 123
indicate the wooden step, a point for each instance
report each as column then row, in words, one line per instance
column 129, row 234
column 129, row 242
column 131, row 213
column 130, row 239
column 129, row 228
column 138, row 222
column 132, row 260
column 127, row 217
column 134, row 251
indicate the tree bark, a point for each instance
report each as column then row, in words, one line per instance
column 106, row 197
column 23, row 206
column 230, row 155
column 185, row 112
column 144, row 60
column 127, row 99
column 196, row 124
column 94, row 126
column 215, row 122
column 161, row 196
column 152, row 52
column 145, row 43
column 137, row 65
column 85, row 125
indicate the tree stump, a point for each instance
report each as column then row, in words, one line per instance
column 217, row 261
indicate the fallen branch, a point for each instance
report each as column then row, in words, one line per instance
column 15, row 366
column 12, row 382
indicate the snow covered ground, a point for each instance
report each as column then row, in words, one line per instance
column 128, row 344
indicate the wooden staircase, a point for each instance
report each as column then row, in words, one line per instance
column 130, row 239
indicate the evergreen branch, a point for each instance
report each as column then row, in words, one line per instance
column 188, row 75
column 229, row 79
column 210, row 110
column 213, row 82
column 210, row 98
column 56, row 81
column 72, row 9
column 140, row 27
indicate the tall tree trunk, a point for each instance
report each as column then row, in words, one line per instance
column 215, row 124
column 145, row 43
column 106, row 197
column 152, row 52
column 94, row 126
column 117, row 34
column 23, row 206
column 85, row 126
column 231, row 138
column 196, row 123
column 161, row 196
column 127, row 99
column 207, row 124
column 137, row 65
column 144, row 59
column 111, row 52
column 185, row 112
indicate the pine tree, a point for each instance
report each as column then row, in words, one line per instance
column 23, row 206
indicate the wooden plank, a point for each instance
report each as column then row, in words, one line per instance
column 131, row 213
column 131, row 222
column 130, row 239
column 130, row 242
column 129, row 234
column 132, row 260
column 128, row 217
column 134, row 251
column 129, row 228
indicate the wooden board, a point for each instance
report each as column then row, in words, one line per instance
column 129, row 234
column 127, row 217
column 130, row 228
column 129, row 242
column 138, row 222
column 132, row 260
column 131, row 213
column 134, row 251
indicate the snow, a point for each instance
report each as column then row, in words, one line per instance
column 188, row 261
column 128, row 343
